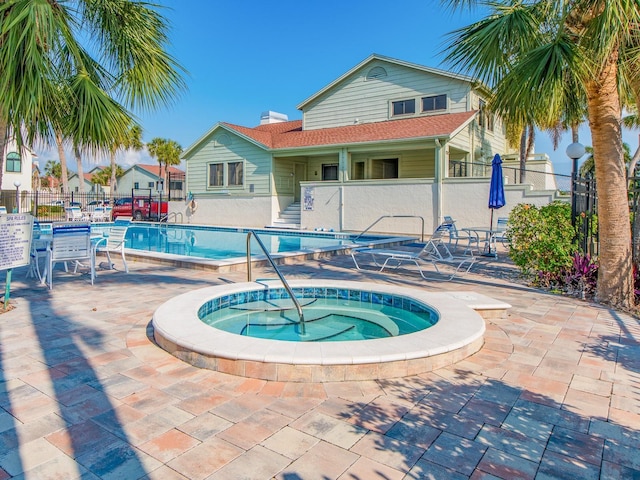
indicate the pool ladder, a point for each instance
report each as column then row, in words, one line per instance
column 251, row 233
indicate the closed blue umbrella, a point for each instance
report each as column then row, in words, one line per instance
column 496, row 188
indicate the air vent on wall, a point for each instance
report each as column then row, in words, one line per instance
column 376, row 72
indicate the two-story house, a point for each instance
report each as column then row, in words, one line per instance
column 386, row 138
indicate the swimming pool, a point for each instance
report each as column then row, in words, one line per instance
column 196, row 243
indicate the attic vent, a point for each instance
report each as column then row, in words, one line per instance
column 224, row 140
column 376, row 72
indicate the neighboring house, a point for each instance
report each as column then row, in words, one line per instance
column 147, row 178
column 17, row 171
column 89, row 185
column 386, row 138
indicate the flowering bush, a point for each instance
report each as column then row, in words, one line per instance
column 542, row 242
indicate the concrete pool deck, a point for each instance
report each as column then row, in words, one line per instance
column 85, row 393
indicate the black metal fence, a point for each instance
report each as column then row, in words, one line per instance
column 50, row 206
column 584, row 214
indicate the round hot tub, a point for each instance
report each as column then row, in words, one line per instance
column 373, row 331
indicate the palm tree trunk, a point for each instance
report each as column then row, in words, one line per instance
column 63, row 163
column 615, row 276
column 112, row 184
column 523, row 157
column 76, row 152
column 4, row 134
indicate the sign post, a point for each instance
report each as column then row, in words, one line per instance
column 16, row 234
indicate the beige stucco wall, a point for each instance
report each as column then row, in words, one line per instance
column 355, row 206
column 253, row 212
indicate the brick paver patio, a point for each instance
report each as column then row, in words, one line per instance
column 85, row 393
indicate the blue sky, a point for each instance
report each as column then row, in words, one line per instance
column 246, row 57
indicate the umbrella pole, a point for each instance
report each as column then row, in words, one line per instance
column 491, row 221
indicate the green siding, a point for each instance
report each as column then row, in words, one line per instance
column 257, row 164
column 368, row 100
column 411, row 164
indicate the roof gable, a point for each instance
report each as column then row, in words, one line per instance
column 375, row 57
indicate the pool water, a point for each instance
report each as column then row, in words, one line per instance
column 217, row 243
column 273, row 316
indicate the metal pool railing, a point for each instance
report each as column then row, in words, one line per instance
column 280, row 276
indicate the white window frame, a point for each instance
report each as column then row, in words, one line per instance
column 440, row 110
column 402, row 115
column 331, row 165
column 225, row 174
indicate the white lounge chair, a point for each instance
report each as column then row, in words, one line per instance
column 434, row 253
column 114, row 242
column 3, row 210
column 71, row 242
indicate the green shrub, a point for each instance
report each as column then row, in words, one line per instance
column 542, row 241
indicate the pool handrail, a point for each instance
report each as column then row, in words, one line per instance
column 280, row 276
column 392, row 216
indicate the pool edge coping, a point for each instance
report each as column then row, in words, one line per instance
column 195, row 342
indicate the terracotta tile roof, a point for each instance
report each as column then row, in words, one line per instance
column 155, row 169
column 291, row 135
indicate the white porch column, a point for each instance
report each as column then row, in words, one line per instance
column 441, row 159
column 343, row 165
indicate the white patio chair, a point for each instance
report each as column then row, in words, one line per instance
column 472, row 242
column 114, row 242
column 74, row 214
column 70, row 242
column 501, row 232
column 3, row 210
column 435, row 252
column 100, row 214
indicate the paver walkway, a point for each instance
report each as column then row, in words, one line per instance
column 84, row 393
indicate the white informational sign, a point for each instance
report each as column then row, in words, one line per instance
column 16, row 232
column 308, row 198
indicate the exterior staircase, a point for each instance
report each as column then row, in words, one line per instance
column 289, row 217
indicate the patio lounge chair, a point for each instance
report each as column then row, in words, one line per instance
column 71, row 242
column 3, row 210
column 114, row 242
column 435, row 252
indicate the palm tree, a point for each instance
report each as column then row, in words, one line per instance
column 541, row 56
column 103, row 177
column 131, row 138
column 167, row 152
column 126, row 66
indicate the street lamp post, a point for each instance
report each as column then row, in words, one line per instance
column 17, row 185
column 574, row 152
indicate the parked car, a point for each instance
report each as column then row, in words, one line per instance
column 140, row 208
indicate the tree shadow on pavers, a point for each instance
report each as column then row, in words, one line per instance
column 10, row 463
column 94, row 434
column 455, row 423
column 621, row 347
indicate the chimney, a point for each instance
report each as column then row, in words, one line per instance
column 272, row 117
